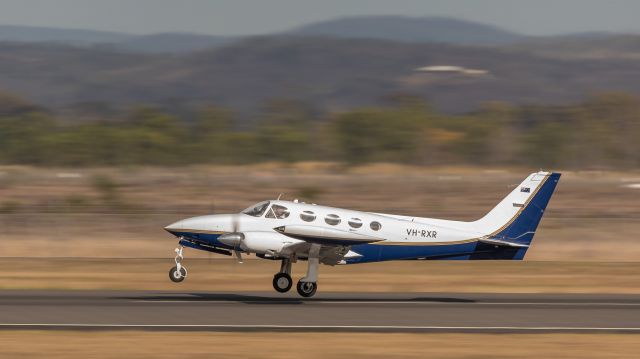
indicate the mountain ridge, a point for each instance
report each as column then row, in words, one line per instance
column 411, row 29
column 332, row 74
column 392, row 28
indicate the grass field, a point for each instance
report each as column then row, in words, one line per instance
column 222, row 275
column 116, row 345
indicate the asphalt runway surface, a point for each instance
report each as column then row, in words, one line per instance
column 353, row 312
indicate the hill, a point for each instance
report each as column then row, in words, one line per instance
column 172, row 43
column 330, row 74
column 154, row 43
column 411, row 29
column 584, row 46
column 65, row 36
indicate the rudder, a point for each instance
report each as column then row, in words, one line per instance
column 517, row 230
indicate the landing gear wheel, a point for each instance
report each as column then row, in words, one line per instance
column 306, row 289
column 176, row 275
column 282, row 282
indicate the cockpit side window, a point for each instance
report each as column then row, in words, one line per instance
column 257, row 210
column 277, row 211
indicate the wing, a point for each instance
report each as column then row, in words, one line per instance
column 335, row 243
column 326, row 236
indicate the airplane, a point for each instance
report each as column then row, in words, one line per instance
column 292, row 230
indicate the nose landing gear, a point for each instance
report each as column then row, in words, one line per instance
column 178, row 273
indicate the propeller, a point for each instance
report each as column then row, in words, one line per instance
column 238, row 257
column 235, row 224
column 234, row 238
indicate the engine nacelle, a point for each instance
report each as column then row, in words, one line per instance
column 265, row 242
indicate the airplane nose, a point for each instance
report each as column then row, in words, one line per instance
column 174, row 226
column 209, row 223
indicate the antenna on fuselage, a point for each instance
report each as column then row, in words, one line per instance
column 280, row 196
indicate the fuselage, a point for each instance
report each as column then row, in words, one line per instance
column 369, row 236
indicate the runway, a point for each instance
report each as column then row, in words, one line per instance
column 357, row 312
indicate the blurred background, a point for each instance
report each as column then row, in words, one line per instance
column 119, row 117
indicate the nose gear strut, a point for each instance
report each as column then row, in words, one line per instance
column 178, row 273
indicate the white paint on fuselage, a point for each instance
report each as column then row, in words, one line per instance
column 394, row 229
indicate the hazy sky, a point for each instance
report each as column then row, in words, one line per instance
column 537, row 17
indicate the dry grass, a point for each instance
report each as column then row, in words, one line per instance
column 132, row 344
column 255, row 275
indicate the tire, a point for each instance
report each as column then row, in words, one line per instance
column 282, row 282
column 176, row 276
column 307, row 289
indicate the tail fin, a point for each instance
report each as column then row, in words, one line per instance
column 514, row 220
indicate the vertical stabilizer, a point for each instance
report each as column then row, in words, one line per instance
column 515, row 219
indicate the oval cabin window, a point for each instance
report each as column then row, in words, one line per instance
column 332, row 219
column 308, row 216
column 375, row 226
column 355, row 223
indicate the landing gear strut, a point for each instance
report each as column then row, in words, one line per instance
column 282, row 281
column 307, row 286
column 178, row 273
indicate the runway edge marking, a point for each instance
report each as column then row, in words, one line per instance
column 314, row 328
column 342, row 302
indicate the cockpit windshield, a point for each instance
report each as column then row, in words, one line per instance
column 257, row 210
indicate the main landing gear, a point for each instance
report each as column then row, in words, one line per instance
column 306, row 286
column 178, row 273
column 307, row 289
column 282, row 281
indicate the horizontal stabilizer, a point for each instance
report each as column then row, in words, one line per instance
column 501, row 243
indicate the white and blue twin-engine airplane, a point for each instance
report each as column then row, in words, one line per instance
column 292, row 230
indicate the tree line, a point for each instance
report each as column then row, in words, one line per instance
column 601, row 132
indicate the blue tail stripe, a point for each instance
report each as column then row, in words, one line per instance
column 522, row 229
